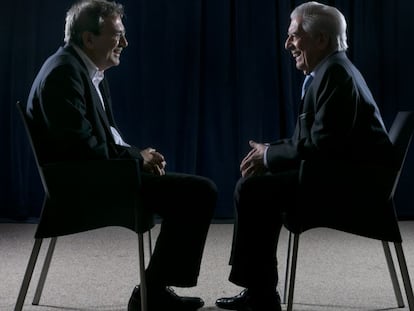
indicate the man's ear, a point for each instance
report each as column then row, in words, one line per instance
column 324, row 41
column 88, row 39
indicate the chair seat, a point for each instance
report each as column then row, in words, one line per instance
column 108, row 203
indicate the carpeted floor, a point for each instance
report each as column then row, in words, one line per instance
column 97, row 270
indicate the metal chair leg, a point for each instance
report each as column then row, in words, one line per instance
column 288, row 260
column 143, row 287
column 293, row 271
column 405, row 276
column 44, row 271
column 150, row 242
column 28, row 275
column 393, row 274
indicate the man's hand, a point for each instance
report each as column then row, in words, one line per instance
column 154, row 161
column 253, row 162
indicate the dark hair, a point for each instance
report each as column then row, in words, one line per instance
column 88, row 15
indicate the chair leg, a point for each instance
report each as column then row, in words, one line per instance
column 150, row 242
column 293, row 271
column 143, row 286
column 393, row 274
column 288, row 259
column 405, row 276
column 44, row 271
column 28, row 275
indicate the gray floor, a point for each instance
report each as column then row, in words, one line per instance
column 97, row 270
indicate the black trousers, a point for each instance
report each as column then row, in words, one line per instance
column 185, row 204
column 260, row 204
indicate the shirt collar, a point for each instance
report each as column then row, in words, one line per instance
column 95, row 74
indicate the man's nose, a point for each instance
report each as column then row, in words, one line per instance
column 288, row 44
column 123, row 41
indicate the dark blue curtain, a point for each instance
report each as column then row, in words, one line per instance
column 197, row 81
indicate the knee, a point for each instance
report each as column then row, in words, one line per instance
column 239, row 190
column 207, row 188
column 239, row 186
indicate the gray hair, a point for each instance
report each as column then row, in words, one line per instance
column 319, row 18
column 88, row 15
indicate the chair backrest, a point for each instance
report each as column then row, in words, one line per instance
column 401, row 133
column 22, row 112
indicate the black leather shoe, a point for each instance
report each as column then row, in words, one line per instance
column 245, row 301
column 163, row 299
column 235, row 302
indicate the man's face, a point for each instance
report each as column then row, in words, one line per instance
column 307, row 50
column 105, row 49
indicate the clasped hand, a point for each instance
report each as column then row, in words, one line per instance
column 253, row 162
column 154, row 161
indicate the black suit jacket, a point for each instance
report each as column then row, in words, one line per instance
column 339, row 120
column 67, row 115
column 349, row 158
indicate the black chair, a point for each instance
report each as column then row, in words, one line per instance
column 72, row 206
column 381, row 225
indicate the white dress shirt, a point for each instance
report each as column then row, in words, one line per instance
column 97, row 76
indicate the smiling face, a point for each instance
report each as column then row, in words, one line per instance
column 307, row 50
column 105, row 48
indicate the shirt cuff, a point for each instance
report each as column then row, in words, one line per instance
column 265, row 155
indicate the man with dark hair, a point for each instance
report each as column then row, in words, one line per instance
column 70, row 111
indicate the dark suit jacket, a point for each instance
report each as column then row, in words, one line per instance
column 350, row 159
column 67, row 115
column 338, row 120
